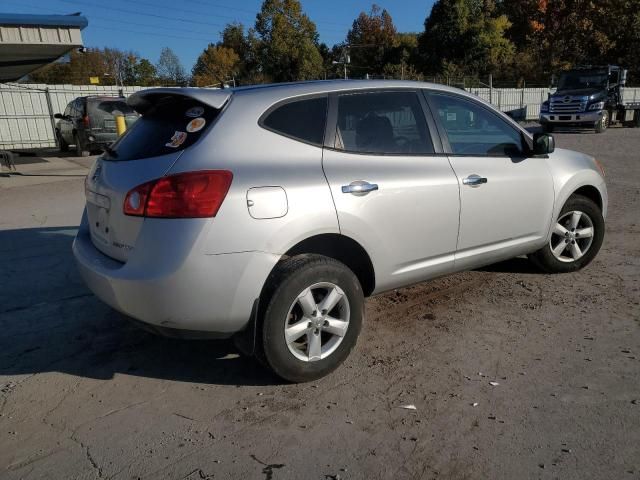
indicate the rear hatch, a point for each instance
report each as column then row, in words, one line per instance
column 102, row 112
column 171, row 123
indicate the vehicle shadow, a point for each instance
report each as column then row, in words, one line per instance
column 513, row 265
column 51, row 322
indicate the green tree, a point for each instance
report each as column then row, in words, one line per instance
column 465, row 36
column 170, row 70
column 371, row 40
column 215, row 65
column 286, row 42
column 145, row 73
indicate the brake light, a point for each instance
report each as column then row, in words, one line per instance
column 85, row 121
column 183, row 195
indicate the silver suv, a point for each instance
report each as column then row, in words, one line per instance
column 268, row 213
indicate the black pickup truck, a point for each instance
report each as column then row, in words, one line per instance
column 590, row 97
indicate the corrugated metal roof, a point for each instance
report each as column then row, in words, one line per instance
column 74, row 20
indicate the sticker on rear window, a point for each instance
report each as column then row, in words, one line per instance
column 194, row 112
column 196, row 125
column 451, row 117
column 177, row 139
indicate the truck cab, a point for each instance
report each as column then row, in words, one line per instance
column 589, row 97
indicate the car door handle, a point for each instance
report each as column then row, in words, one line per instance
column 359, row 188
column 474, row 180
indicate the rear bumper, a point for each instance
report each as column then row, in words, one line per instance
column 584, row 118
column 197, row 293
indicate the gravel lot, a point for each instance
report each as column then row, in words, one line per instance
column 85, row 394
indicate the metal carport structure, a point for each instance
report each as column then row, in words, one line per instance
column 29, row 42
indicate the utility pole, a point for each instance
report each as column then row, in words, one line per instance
column 346, row 58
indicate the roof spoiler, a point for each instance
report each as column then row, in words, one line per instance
column 143, row 100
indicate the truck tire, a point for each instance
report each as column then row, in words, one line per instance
column 313, row 313
column 603, row 123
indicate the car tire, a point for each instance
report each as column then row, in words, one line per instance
column 80, row 151
column 603, row 123
column 62, row 145
column 321, row 339
column 552, row 258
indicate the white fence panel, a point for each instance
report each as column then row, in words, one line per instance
column 26, row 121
column 25, row 117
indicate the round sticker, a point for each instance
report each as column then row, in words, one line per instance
column 196, row 125
column 177, row 140
column 194, row 112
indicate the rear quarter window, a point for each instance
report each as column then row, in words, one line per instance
column 302, row 120
column 174, row 123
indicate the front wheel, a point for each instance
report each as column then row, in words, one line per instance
column 603, row 123
column 576, row 237
column 62, row 145
column 312, row 319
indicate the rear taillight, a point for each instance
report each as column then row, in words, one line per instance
column 85, row 121
column 183, row 195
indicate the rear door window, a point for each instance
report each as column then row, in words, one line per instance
column 382, row 123
column 172, row 124
column 299, row 119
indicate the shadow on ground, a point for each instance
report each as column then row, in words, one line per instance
column 51, row 322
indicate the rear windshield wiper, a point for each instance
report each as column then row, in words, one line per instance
column 110, row 151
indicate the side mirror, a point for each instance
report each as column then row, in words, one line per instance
column 543, row 144
column 58, row 116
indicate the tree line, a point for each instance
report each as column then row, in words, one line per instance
column 513, row 40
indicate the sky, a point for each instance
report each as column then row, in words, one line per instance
column 188, row 26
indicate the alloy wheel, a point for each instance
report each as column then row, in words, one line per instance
column 572, row 236
column 317, row 322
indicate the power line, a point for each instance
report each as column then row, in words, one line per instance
column 110, row 27
column 133, row 12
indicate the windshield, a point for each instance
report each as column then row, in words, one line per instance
column 578, row 79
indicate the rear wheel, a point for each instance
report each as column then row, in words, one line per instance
column 603, row 123
column 312, row 318
column 576, row 237
column 80, row 149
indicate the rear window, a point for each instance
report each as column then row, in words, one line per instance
column 300, row 119
column 172, row 124
column 107, row 108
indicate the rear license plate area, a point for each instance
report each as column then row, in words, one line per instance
column 98, row 215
